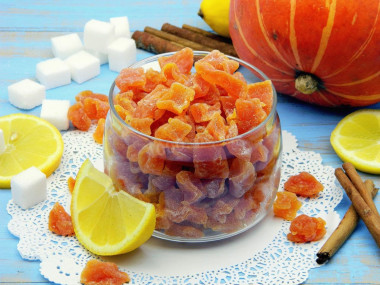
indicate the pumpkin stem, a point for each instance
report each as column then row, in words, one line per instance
column 306, row 84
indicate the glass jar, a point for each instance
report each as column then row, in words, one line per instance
column 202, row 191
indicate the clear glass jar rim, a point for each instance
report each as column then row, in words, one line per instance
column 241, row 136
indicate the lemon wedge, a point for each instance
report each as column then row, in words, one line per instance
column 107, row 221
column 29, row 141
column 356, row 139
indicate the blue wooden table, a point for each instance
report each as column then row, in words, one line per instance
column 26, row 27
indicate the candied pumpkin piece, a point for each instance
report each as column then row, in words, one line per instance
column 220, row 61
column 184, row 231
column 214, row 187
column 177, row 99
column 242, row 177
column 151, row 158
column 286, row 205
column 153, row 78
column 264, row 92
column 183, row 59
column 191, row 186
column 99, row 272
column 249, row 114
column 95, row 109
column 200, row 86
column 71, row 184
column 303, row 184
column 172, row 74
column 122, row 112
column 234, row 86
column 81, row 96
column 228, row 105
column 141, row 124
column 125, row 100
column 60, row 221
column 241, row 148
column 306, row 229
column 99, row 131
column 202, row 112
column 174, row 130
column 130, row 78
column 78, row 117
column 216, row 127
column 147, row 108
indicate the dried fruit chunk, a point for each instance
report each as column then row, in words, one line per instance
column 99, row 272
column 130, row 78
column 60, row 221
column 151, row 158
column 172, row 74
column 71, row 184
column 303, row 184
column 264, row 92
column 220, row 61
column 202, row 112
column 177, row 99
column 95, row 109
column 306, row 229
column 99, row 131
column 217, row 127
column 191, row 186
column 286, row 205
column 173, row 130
column 242, row 177
column 184, row 231
column 81, row 96
column 125, row 100
column 78, row 117
column 249, row 114
column 153, row 78
column 147, row 108
column 141, row 124
column 183, row 59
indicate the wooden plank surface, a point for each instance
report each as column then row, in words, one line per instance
column 25, row 31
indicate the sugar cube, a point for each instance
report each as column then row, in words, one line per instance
column 121, row 54
column 2, row 142
column 55, row 112
column 66, row 45
column 121, row 25
column 26, row 94
column 83, row 66
column 103, row 57
column 28, row 187
column 98, row 35
column 53, row 73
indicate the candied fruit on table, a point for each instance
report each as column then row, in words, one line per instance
column 60, row 221
column 100, row 272
column 196, row 156
column 303, row 184
column 306, row 229
column 286, row 205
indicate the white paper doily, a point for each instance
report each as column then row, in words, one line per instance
column 261, row 255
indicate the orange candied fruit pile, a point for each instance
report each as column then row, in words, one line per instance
column 286, row 205
column 60, row 221
column 306, row 229
column 303, row 184
column 89, row 107
column 99, row 272
column 212, row 104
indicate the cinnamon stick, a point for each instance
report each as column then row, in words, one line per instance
column 198, row 38
column 371, row 220
column 359, row 185
column 344, row 229
column 176, row 39
column 153, row 43
column 207, row 33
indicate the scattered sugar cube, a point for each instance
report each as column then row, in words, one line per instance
column 83, row 66
column 53, row 73
column 64, row 46
column 2, row 142
column 121, row 25
column 26, row 94
column 121, row 54
column 28, row 187
column 103, row 57
column 98, row 35
column 55, row 112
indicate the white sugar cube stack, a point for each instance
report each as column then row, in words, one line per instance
column 28, row 187
column 53, row 73
column 121, row 54
column 66, row 45
column 26, row 94
column 55, row 112
column 83, row 66
column 121, row 25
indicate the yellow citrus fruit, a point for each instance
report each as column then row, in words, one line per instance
column 29, row 141
column 107, row 221
column 356, row 139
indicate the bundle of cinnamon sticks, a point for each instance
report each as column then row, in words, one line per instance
column 361, row 195
column 172, row 38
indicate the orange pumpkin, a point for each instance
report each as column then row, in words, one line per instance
column 325, row 52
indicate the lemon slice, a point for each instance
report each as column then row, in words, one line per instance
column 356, row 139
column 29, row 141
column 107, row 221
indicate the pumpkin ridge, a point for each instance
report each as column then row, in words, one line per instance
column 326, row 33
column 292, row 34
column 356, row 97
column 252, row 50
column 368, row 78
column 361, row 48
column 265, row 34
